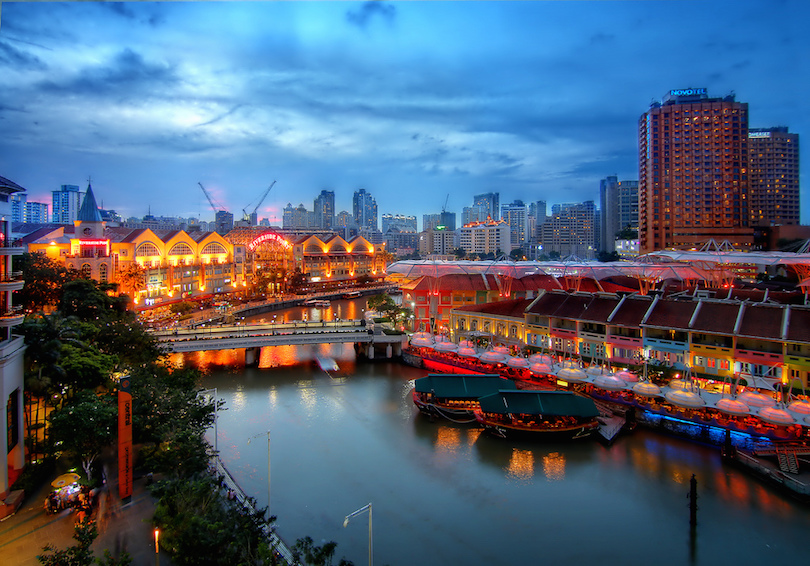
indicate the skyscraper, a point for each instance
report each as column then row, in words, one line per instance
column 325, row 209
column 364, row 208
column 618, row 201
column 571, row 231
column 774, row 176
column 66, row 202
column 491, row 202
column 693, row 172
column 515, row 215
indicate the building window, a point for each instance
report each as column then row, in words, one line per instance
column 102, row 273
column 147, row 249
column 214, row 248
column 87, row 271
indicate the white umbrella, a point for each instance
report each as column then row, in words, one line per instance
column 756, row 399
column 647, row 389
column 517, row 362
column 776, row 416
column 683, row 398
column 732, row 407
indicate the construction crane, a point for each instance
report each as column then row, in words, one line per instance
column 245, row 215
column 211, row 200
column 444, row 208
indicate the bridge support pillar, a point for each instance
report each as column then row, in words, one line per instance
column 388, row 351
column 370, row 351
column 252, row 356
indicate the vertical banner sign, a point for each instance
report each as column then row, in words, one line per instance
column 124, row 439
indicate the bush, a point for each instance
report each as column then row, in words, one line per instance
column 35, row 475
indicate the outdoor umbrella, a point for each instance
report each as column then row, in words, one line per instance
column 65, row 479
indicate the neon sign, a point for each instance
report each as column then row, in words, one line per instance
column 93, row 242
column 687, row 92
column 268, row 237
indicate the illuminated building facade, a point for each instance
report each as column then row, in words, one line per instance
column 12, row 429
column 693, row 172
column 774, row 176
column 488, row 237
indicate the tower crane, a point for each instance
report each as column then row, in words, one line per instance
column 245, row 215
column 444, row 208
column 211, row 200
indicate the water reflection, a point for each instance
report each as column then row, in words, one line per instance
column 554, row 466
column 521, row 465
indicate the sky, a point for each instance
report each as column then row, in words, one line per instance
column 419, row 103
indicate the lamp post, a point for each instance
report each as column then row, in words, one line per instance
column 268, row 466
column 157, row 548
column 363, row 509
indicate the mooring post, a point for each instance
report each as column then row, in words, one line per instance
column 693, row 501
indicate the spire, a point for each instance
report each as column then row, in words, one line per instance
column 89, row 209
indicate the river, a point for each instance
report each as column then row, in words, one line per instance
column 447, row 494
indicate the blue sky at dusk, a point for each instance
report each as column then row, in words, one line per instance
column 410, row 100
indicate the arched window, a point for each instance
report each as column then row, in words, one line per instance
column 313, row 248
column 513, row 331
column 338, row 247
column 486, row 326
column 461, row 324
column 214, row 248
column 147, row 249
column 102, row 272
column 87, row 271
column 181, row 248
column 474, row 325
column 500, row 329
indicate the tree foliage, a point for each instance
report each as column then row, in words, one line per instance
column 44, row 279
column 80, row 554
column 87, row 301
column 85, row 426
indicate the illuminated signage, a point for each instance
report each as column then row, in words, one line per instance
column 93, row 242
column 269, row 237
column 759, row 134
column 687, row 92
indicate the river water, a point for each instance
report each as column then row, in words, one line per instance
column 447, row 494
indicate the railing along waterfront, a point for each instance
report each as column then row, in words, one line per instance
column 276, row 543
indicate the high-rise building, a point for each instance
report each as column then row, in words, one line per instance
column 28, row 212
column 490, row 237
column 773, row 176
column 400, row 221
column 364, row 208
column 515, row 214
column 66, row 202
column 297, row 217
column 693, row 172
column 618, row 209
column 324, row 209
column 571, row 231
column 224, row 221
column 491, row 203
column 438, row 241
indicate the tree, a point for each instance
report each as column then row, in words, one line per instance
column 44, row 279
column 85, row 426
column 460, row 253
column 86, row 368
column 516, row 254
column 131, row 279
column 316, row 555
column 80, row 554
column 83, row 299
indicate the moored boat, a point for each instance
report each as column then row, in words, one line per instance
column 541, row 415
column 455, row 397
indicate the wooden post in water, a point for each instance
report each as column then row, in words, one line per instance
column 693, row 501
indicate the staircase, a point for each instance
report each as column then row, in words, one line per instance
column 788, row 462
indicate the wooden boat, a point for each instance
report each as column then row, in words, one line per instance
column 455, row 396
column 317, row 303
column 541, row 415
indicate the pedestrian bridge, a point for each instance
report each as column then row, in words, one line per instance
column 253, row 337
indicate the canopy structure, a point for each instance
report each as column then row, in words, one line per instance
column 546, row 403
column 800, row 406
column 492, row 357
column 575, row 375
column 732, row 407
column 684, row 398
column 609, row 382
column 647, row 389
column 462, row 386
column 517, row 362
column 776, row 416
column 756, row 399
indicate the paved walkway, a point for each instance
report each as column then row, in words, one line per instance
column 121, row 527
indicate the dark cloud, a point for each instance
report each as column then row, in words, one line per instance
column 368, row 10
column 127, row 73
column 16, row 59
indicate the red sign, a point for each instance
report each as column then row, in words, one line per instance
column 93, row 242
column 269, row 237
column 124, row 439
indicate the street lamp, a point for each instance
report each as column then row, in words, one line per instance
column 268, row 466
column 363, row 509
column 157, row 548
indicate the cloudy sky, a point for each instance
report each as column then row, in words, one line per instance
column 413, row 101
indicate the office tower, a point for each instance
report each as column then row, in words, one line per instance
column 66, row 202
column 490, row 203
column 618, row 209
column 571, row 231
column 773, row 176
column 515, row 214
column 364, row 208
column 324, row 209
column 224, row 221
column 297, row 217
column 693, row 172
column 437, row 241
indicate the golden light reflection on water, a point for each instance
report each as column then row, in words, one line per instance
column 239, row 400
column 521, row 465
column 276, row 356
column 448, row 439
column 272, row 397
column 645, row 460
column 309, row 396
column 554, row 466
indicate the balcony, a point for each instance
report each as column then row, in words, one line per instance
column 11, row 317
column 11, row 248
column 12, row 282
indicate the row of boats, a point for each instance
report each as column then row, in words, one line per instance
column 623, row 394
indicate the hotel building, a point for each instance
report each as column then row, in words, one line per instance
column 488, row 237
column 693, row 172
column 773, row 176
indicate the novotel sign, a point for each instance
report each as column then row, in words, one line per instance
column 268, row 237
column 688, row 92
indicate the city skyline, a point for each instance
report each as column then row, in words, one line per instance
column 410, row 101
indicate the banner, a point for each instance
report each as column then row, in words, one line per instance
column 124, row 439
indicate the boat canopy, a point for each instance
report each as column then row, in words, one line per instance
column 470, row 386
column 546, row 403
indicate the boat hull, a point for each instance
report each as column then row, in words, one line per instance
column 542, row 433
